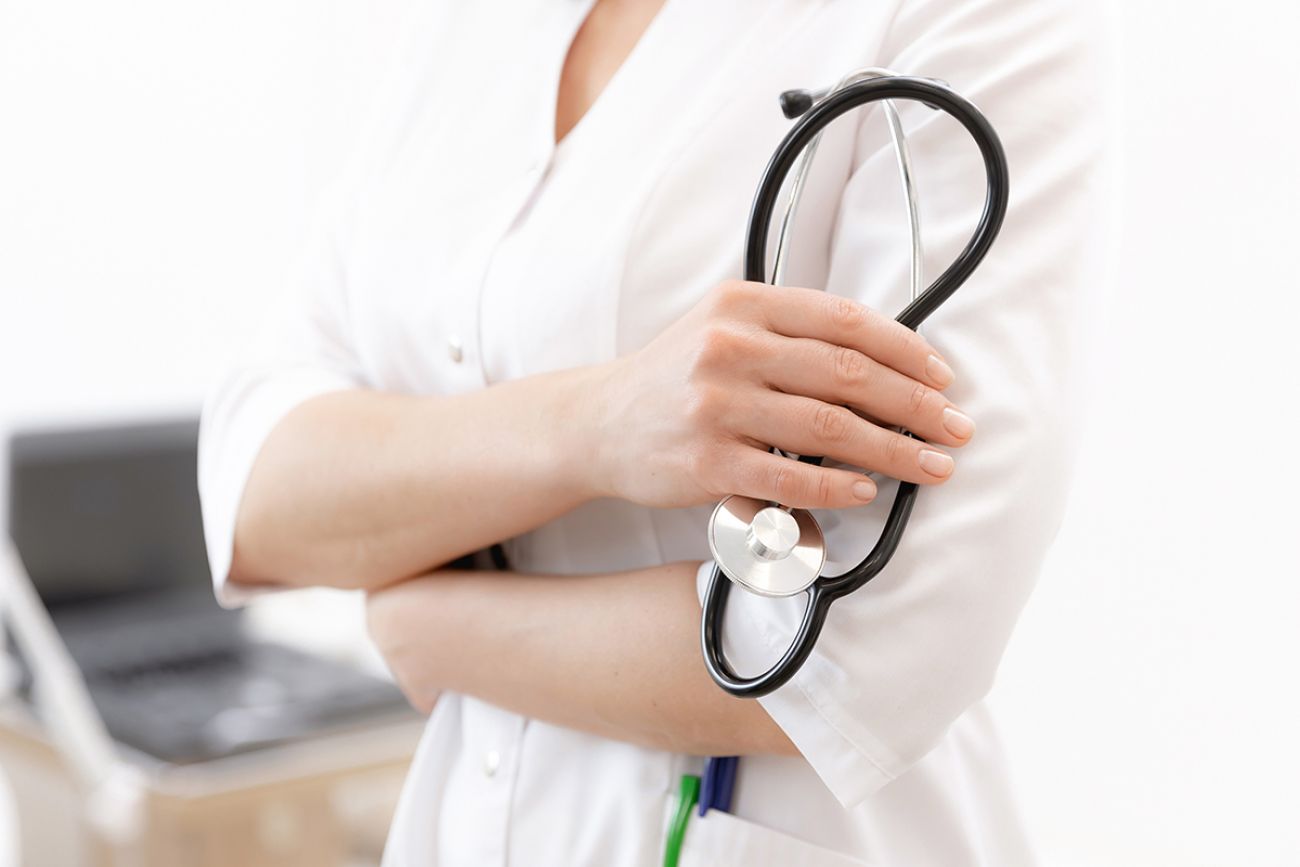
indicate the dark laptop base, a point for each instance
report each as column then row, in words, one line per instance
column 107, row 523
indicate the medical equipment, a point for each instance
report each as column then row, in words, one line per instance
column 774, row 550
column 771, row 549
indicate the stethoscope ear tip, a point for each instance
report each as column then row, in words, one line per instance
column 795, row 103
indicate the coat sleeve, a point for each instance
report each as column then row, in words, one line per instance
column 904, row 657
column 306, row 345
column 304, row 349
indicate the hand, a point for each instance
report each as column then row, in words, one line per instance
column 691, row 416
column 389, row 623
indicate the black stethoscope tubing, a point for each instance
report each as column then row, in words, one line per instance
column 826, row 589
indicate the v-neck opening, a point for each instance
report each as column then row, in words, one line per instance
column 603, row 97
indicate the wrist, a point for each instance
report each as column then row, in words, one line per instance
column 594, row 429
column 581, row 422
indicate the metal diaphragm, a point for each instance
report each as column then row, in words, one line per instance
column 769, row 550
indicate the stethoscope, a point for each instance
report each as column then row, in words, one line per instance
column 773, row 550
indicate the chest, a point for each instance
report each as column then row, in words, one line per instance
column 599, row 48
column 482, row 251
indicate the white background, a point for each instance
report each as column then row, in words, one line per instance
column 159, row 162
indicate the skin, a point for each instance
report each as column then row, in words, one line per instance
column 627, row 666
column 348, row 485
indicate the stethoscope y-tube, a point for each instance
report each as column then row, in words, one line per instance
column 826, row 589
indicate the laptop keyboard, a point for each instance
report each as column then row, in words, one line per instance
column 201, row 706
column 148, row 674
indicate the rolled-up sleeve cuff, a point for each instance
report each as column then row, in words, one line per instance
column 236, row 422
column 851, row 762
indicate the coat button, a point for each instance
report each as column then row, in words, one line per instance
column 491, row 762
column 455, row 351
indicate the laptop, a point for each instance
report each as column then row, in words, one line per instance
column 107, row 523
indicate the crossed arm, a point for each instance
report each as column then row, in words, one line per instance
column 616, row 655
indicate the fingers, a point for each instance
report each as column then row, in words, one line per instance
column 841, row 321
column 811, row 427
column 840, row 375
column 766, row 476
column 812, row 363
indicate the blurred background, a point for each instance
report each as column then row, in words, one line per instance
column 159, row 165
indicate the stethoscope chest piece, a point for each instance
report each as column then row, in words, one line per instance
column 769, row 550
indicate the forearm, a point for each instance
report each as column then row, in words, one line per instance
column 616, row 655
column 361, row 488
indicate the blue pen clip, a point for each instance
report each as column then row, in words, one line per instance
column 718, row 783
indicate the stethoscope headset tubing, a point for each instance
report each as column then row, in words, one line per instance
column 826, row 589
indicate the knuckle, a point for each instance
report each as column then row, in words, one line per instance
column 719, row 346
column 830, row 423
column 850, row 366
column 780, row 481
column 700, row 464
column 917, row 400
column 785, row 481
column 906, row 341
column 894, row 449
column 845, row 313
column 731, row 295
column 700, row 405
column 747, row 478
column 695, row 462
column 824, row 484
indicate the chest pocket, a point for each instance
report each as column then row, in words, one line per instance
column 723, row 840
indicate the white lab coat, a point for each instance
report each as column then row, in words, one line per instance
column 466, row 249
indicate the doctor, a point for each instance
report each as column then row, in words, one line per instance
column 520, row 322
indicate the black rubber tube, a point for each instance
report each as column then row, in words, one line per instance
column 827, row 589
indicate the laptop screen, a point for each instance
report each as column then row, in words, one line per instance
column 108, row 511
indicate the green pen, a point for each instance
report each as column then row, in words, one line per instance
column 687, row 796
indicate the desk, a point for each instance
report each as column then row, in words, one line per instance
column 319, row 802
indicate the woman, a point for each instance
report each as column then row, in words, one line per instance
column 522, row 323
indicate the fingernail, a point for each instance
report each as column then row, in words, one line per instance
column 939, row 371
column 935, row 463
column 958, row 423
column 865, row 490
